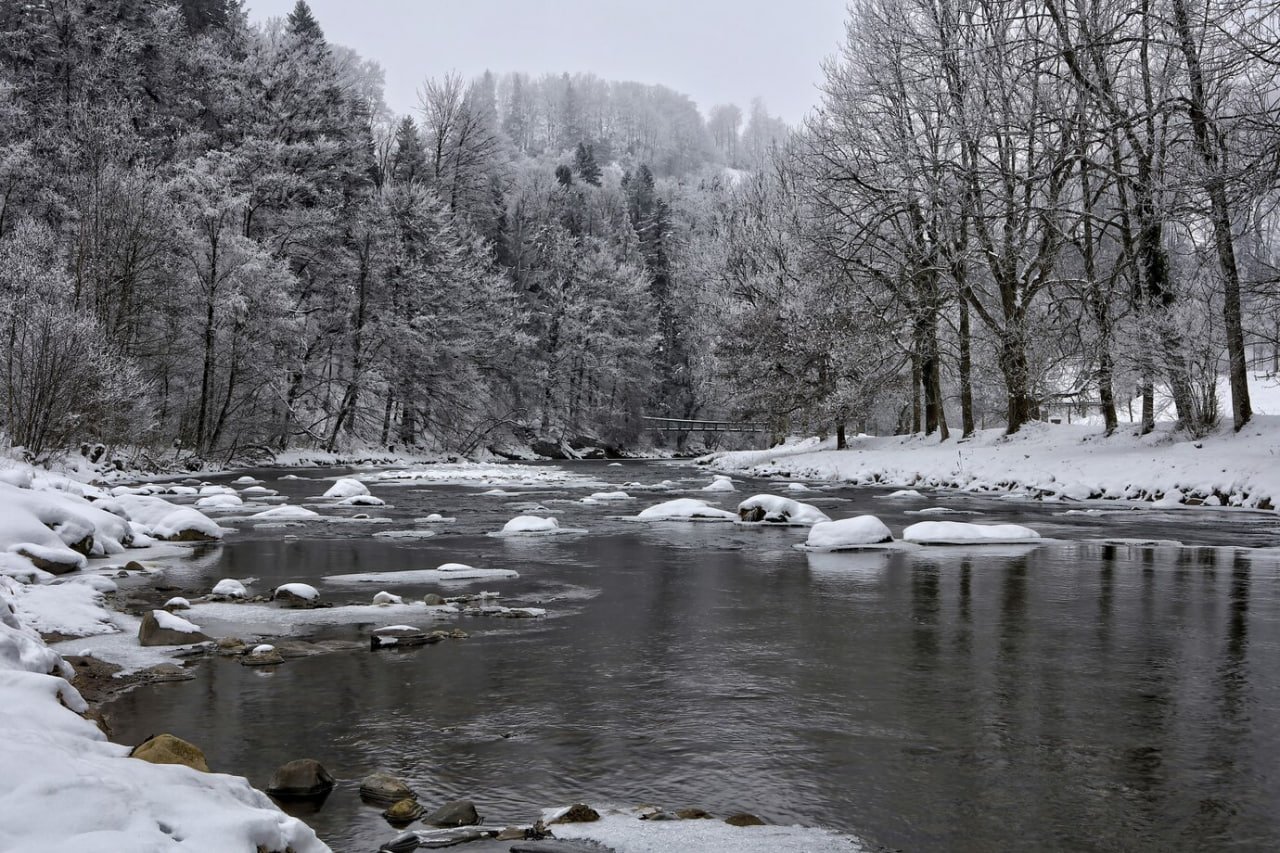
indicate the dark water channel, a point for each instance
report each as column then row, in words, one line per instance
column 1078, row 696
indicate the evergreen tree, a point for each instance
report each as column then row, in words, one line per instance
column 304, row 25
column 584, row 162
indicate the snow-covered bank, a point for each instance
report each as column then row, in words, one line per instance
column 75, row 789
column 1048, row 461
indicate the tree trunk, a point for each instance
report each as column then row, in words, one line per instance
column 966, row 367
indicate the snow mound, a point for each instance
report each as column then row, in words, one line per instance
column 720, row 484
column 346, row 488
column 903, row 493
column 434, row 518
column 299, row 590
column 862, row 531
column 534, row 525
column 246, row 480
column 607, row 496
column 685, row 509
column 286, row 512
column 164, row 520
column 219, row 501
column 387, row 598
column 446, row 572
column 779, row 510
column 170, row 622
column 964, row 533
column 231, row 588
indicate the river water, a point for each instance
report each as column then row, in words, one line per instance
column 1074, row 696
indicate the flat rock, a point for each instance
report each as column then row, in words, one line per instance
column 384, row 788
column 454, row 813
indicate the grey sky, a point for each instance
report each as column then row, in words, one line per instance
column 715, row 51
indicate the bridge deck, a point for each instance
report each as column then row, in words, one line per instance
column 693, row 425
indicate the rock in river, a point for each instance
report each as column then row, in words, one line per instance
column 578, row 813
column 162, row 628
column 403, row 812
column 302, row 779
column 454, row 813
column 384, row 788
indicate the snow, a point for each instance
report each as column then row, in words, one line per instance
column 231, row 588
column 903, row 493
column 534, row 525
column 346, row 488
column 720, row 484
column 258, row 492
column 299, row 590
column 446, row 572
column 177, row 603
column 387, row 598
column 66, row 608
column 1045, row 460
column 286, row 512
column 960, row 532
column 607, row 496
column 434, row 518
column 262, row 649
column 21, row 531
column 271, row 621
column 404, row 534
column 472, row 474
column 858, row 532
column 362, row 500
column 246, row 480
column 220, row 501
column 119, row 803
column 783, row 510
column 170, row 622
column 685, row 509
column 530, row 524
column 623, row 831
column 164, row 520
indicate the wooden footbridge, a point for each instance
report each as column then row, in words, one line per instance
column 687, row 425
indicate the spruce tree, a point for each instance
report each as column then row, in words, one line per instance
column 584, row 161
column 304, row 25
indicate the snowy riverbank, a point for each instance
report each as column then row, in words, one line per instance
column 1047, row 461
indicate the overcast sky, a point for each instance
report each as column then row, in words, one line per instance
column 715, row 51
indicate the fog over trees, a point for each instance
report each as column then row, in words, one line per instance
column 216, row 233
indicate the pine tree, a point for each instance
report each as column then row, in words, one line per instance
column 304, row 25
column 564, row 175
column 584, row 162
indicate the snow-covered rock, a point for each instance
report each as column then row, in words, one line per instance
column 177, row 603
column 608, row 496
column 387, row 598
column 903, row 494
column 779, row 510
column 296, row 593
column 346, row 488
column 960, row 532
column 848, row 533
column 230, row 588
column 530, row 524
column 685, row 509
column 720, row 484
column 246, row 480
column 362, row 500
column 445, row 572
column 220, row 501
column 164, row 520
column 287, row 512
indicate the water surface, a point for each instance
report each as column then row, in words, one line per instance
column 1075, row 696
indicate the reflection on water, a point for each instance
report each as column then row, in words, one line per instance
column 1072, row 696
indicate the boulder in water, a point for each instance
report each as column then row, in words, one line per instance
column 384, row 788
column 301, row 779
column 454, row 813
column 578, row 813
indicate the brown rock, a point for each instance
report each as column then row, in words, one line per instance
column 150, row 633
column 454, row 813
column 743, row 819
column 167, row 749
column 578, row 813
column 53, row 567
column 384, row 788
column 302, row 779
column 403, row 812
column 692, row 814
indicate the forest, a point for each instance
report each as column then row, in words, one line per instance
column 215, row 236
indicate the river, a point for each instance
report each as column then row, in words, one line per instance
column 1074, row 696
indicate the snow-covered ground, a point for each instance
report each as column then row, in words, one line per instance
column 76, row 790
column 1053, row 462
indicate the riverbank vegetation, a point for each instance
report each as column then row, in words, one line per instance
column 214, row 234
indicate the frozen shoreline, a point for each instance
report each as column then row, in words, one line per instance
column 1053, row 462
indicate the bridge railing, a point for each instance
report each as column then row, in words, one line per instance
column 695, row 425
